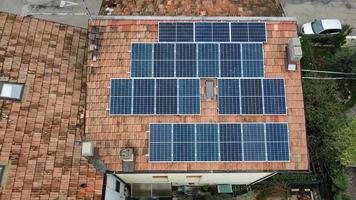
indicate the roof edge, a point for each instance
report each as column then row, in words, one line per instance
column 193, row 18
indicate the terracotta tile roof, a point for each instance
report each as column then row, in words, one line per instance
column 40, row 136
column 194, row 7
column 112, row 133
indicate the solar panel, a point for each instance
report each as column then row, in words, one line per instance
column 176, row 32
column 230, row 59
column 208, row 60
column 212, row 32
column 167, row 32
column 274, row 96
column 185, row 32
column 183, row 142
column 239, row 32
column 163, row 60
column 229, row 96
column 166, row 96
column 120, row 99
column 154, row 96
column 186, row 60
column 221, row 32
column 198, row 60
column 219, row 142
column 277, row 142
column 203, row 32
column 248, row 32
column 251, row 96
column 257, row 32
column 252, row 60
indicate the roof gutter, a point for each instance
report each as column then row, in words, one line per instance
column 194, row 18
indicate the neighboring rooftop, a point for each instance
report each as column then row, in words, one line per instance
column 40, row 137
column 193, row 8
column 111, row 133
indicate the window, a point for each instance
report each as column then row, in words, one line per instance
column 2, row 170
column 117, row 186
column 317, row 26
column 11, row 90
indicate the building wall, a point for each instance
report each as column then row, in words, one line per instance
column 110, row 192
column 186, row 178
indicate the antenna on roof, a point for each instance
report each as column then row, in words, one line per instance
column 88, row 12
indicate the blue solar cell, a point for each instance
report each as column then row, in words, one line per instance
column 183, row 152
column 141, row 51
column 183, row 133
column 251, row 87
column 230, row 68
column 141, row 68
column 160, row 151
column 207, row 132
column 166, row 87
column 221, row 32
column 273, row 87
column 229, row 105
column 277, row 132
column 166, row 105
column 257, row 32
column 239, row 32
column 229, row 87
column 163, row 51
column 252, row 68
column 185, row 32
column 186, row 51
column 252, row 51
column 189, row 105
column 167, row 32
column 143, row 105
column 277, row 151
column 208, row 51
column 189, row 87
column 186, row 68
column 144, row 87
column 275, row 105
column 230, row 132
column 253, row 132
column 207, row 151
column 230, row 51
column 163, row 68
column 120, row 87
column 251, row 105
column 203, row 32
column 230, row 151
column 255, row 151
column 120, row 105
column 208, row 68
column 160, row 133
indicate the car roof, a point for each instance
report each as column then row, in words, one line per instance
column 331, row 24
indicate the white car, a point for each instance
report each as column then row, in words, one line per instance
column 321, row 26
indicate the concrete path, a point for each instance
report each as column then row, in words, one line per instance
column 308, row 10
column 71, row 12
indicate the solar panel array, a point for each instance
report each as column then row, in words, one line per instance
column 154, row 96
column 219, row 142
column 212, row 32
column 251, row 96
column 197, row 60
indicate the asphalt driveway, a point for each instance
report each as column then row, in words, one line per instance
column 308, row 10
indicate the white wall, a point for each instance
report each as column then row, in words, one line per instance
column 206, row 178
column 110, row 193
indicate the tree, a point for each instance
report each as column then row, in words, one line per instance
column 345, row 143
column 345, row 60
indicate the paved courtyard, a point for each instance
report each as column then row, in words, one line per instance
column 71, row 12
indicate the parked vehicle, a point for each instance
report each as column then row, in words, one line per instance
column 321, row 26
